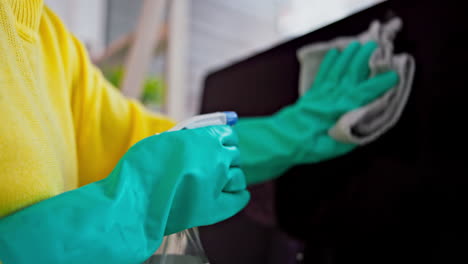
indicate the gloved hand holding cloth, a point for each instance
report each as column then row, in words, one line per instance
column 298, row 134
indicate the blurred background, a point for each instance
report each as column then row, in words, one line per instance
column 159, row 51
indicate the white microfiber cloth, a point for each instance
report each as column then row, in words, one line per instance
column 365, row 124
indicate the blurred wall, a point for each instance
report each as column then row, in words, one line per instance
column 122, row 17
column 85, row 18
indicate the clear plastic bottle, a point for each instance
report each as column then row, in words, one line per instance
column 185, row 247
column 181, row 248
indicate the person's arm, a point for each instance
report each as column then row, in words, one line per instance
column 298, row 134
column 153, row 191
column 106, row 123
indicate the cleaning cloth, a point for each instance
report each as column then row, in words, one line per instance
column 367, row 123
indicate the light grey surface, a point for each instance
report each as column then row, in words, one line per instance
column 369, row 122
column 122, row 16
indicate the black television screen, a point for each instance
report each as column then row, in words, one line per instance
column 400, row 199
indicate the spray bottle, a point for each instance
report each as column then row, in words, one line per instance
column 185, row 247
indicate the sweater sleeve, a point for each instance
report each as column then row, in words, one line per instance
column 106, row 123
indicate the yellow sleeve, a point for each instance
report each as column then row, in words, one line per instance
column 106, row 123
column 63, row 125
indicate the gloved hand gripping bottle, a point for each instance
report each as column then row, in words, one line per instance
column 185, row 247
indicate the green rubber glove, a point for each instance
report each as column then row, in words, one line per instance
column 298, row 134
column 162, row 185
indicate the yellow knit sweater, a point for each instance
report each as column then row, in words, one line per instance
column 62, row 125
